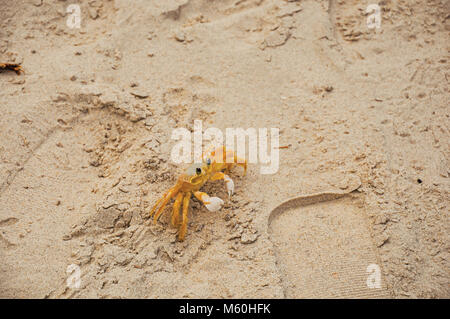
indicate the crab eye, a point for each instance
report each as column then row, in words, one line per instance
column 198, row 170
column 208, row 161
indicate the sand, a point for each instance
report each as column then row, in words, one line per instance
column 362, row 188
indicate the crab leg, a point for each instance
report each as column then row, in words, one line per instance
column 229, row 158
column 157, row 203
column 176, row 209
column 172, row 193
column 236, row 160
column 243, row 164
column 228, row 181
column 184, row 222
column 213, row 204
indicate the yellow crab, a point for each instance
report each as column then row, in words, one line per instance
column 213, row 167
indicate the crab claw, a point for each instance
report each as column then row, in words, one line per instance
column 213, row 204
column 230, row 185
